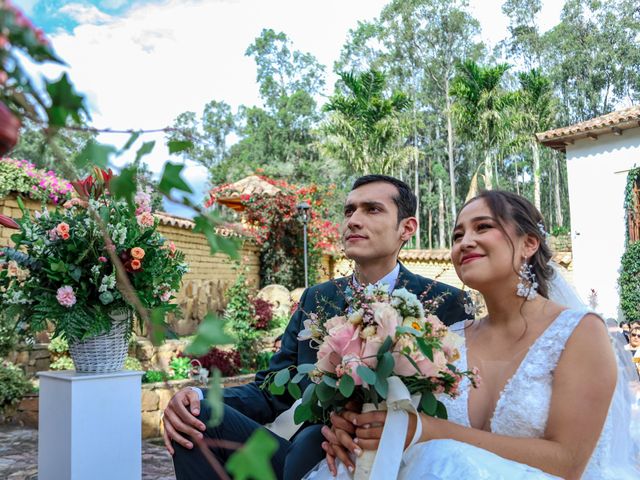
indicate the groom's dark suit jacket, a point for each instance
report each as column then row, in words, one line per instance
column 263, row 407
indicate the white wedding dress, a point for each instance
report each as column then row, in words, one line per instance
column 521, row 411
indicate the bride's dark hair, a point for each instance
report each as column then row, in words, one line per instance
column 510, row 208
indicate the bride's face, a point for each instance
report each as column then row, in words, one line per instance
column 484, row 254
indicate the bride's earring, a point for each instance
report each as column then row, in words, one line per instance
column 527, row 286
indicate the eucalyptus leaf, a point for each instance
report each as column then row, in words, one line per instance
column 428, row 403
column 368, row 375
column 294, row 390
column 282, row 377
column 346, row 386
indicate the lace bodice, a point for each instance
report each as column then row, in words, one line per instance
column 522, row 409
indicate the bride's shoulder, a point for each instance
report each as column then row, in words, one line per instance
column 589, row 340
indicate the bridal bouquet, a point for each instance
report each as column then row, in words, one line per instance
column 384, row 335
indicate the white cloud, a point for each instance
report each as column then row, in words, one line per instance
column 83, row 13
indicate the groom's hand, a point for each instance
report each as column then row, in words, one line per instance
column 179, row 419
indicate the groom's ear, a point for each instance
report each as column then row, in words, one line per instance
column 408, row 227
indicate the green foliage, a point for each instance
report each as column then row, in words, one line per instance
column 630, row 283
column 23, row 177
column 252, row 461
column 154, row 376
column 13, row 385
column 239, row 315
column 58, row 345
column 181, row 368
column 62, row 363
column 365, row 129
column 132, row 363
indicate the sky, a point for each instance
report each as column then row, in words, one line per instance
column 141, row 63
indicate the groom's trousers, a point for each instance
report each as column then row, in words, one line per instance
column 292, row 460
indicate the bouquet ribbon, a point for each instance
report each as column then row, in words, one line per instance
column 399, row 405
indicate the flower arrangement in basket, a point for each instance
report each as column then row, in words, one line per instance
column 389, row 347
column 60, row 270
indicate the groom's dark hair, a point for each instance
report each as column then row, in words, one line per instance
column 405, row 200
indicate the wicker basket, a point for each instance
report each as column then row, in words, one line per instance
column 104, row 353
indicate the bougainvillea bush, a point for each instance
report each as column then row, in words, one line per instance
column 61, row 269
column 275, row 225
column 23, row 177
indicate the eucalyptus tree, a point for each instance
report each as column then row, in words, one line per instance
column 482, row 107
column 364, row 128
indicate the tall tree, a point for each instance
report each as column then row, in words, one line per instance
column 364, row 129
column 482, row 107
column 535, row 111
column 33, row 146
column 209, row 133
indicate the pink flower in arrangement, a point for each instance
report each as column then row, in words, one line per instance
column 166, row 296
column 145, row 219
column 66, row 297
column 102, row 259
column 53, row 235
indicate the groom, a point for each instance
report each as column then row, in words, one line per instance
column 379, row 218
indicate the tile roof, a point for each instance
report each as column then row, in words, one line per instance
column 232, row 230
column 442, row 255
column 614, row 122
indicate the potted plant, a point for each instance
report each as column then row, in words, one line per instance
column 61, row 271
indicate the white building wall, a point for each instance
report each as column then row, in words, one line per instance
column 597, row 178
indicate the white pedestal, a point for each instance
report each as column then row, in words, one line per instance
column 89, row 426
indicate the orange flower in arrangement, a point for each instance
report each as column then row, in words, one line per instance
column 63, row 228
column 137, row 253
column 136, row 264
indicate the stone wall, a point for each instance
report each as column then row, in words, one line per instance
column 154, row 399
column 209, row 275
column 436, row 264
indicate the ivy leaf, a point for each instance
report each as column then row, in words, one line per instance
column 132, row 139
column 145, row 149
column 210, row 332
column 215, row 399
column 124, row 186
column 428, row 403
column 253, row 460
column 65, row 102
column 171, row 179
column 94, row 153
column 346, row 386
column 216, row 242
column 177, row 146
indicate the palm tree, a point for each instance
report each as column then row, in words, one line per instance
column 534, row 113
column 365, row 129
column 481, row 109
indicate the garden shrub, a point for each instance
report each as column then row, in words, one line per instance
column 133, row 364
column 240, row 316
column 629, row 282
column 153, row 376
column 180, row 368
column 13, row 385
column 263, row 314
column 227, row 361
column 23, row 177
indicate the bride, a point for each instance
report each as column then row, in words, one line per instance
column 544, row 408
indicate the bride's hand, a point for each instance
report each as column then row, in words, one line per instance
column 340, row 438
column 369, row 428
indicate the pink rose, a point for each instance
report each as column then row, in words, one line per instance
column 65, row 296
column 145, row 219
column 334, row 322
column 328, row 360
column 387, row 318
column 371, row 348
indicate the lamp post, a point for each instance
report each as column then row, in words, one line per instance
column 303, row 210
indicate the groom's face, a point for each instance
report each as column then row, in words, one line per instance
column 370, row 229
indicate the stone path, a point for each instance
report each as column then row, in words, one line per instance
column 19, row 456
